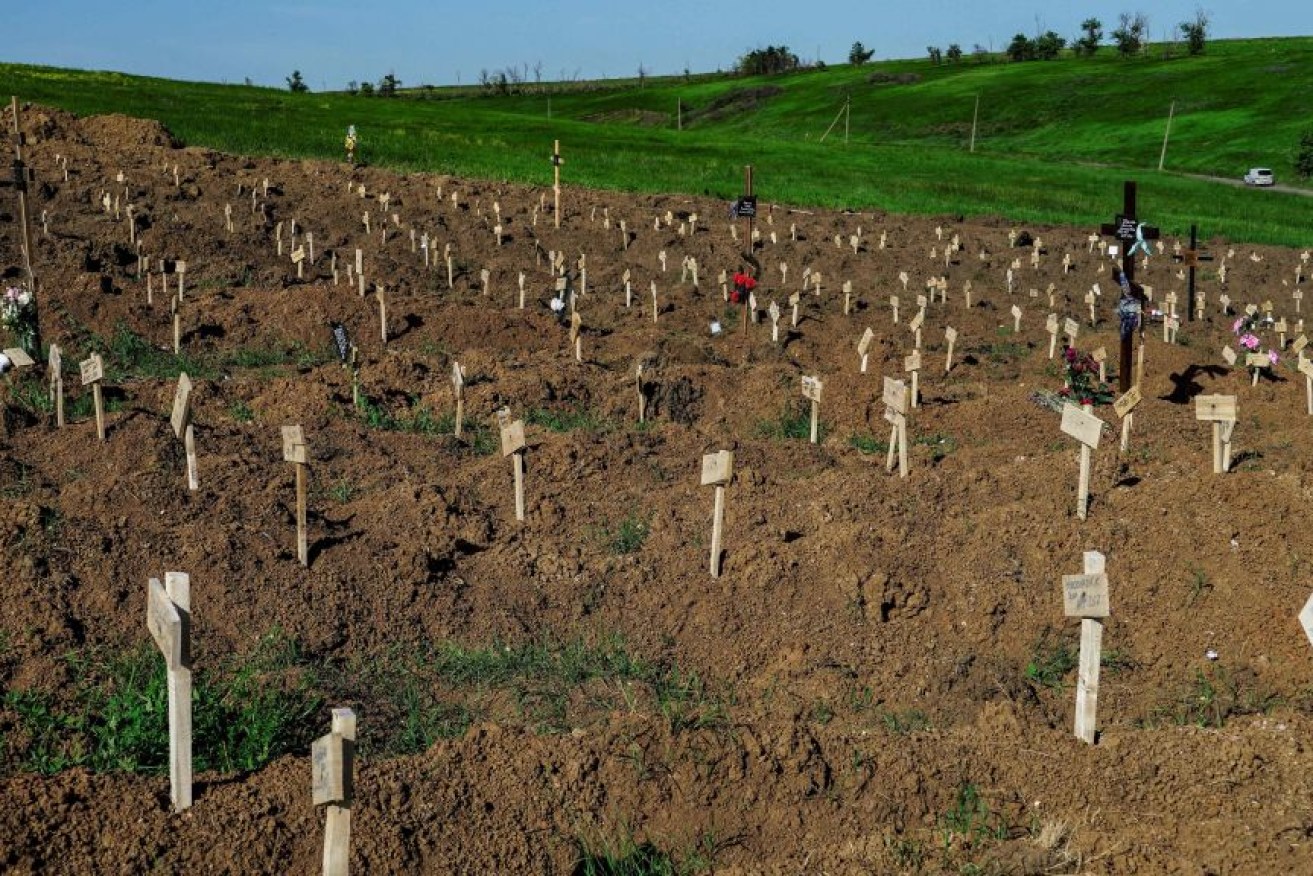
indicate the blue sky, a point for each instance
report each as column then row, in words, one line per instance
column 440, row 42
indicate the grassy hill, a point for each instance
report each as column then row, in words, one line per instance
column 1053, row 142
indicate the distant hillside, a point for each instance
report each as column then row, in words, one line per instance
column 1053, row 137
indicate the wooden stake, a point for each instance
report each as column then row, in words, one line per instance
column 717, row 470
column 557, row 161
column 458, row 385
column 382, row 312
column 56, row 367
column 1086, row 596
column 513, row 444
column 168, row 617
column 332, row 761
column 294, row 451
column 1222, row 412
column 93, row 372
column 950, row 334
column 811, row 390
column 1086, row 429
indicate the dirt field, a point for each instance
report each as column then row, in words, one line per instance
column 881, row 680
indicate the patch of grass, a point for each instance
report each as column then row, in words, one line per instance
column 867, row 445
column 240, row 411
column 623, row 855
column 1213, row 697
column 414, row 419
column 342, row 492
column 901, row 723
column 129, row 356
column 244, row 714
column 969, row 821
column 628, row 536
column 1199, row 585
column 1003, row 352
column 567, row 420
column 1050, row 663
column 32, row 394
column 793, row 424
column 940, row 445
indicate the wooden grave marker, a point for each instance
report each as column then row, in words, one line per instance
column 1086, row 597
column 864, row 346
column 1016, row 319
column 893, row 304
column 915, row 327
column 717, row 471
column 294, row 451
column 1222, row 412
column 56, row 368
column 168, row 617
column 180, row 419
column 513, row 444
column 1132, row 235
column 950, row 335
column 458, row 388
column 1086, row 429
column 811, row 390
column 774, row 313
column 557, row 161
column 332, row 782
column 576, row 335
column 93, row 372
column 912, row 363
column 894, row 397
column 1051, row 326
column 1124, row 407
column 1306, row 368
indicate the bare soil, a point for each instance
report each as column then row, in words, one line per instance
column 866, row 647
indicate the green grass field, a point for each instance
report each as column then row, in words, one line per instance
column 1054, row 140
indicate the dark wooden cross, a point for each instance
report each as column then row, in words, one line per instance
column 1127, row 230
column 22, row 175
column 1190, row 259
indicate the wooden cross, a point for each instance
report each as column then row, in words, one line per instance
column 1125, row 408
column 513, row 444
column 1127, row 229
column 93, row 372
column 182, row 427
column 811, row 390
column 1221, row 411
column 56, row 365
column 21, row 177
column 895, row 401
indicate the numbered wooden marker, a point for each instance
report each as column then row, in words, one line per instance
column 1086, row 596
column 294, row 451
column 1222, row 411
column 93, row 372
column 168, row 618
column 1086, row 429
column 811, row 390
column 774, row 313
column 864, row 346
column 332, row 767
column 513, row 444
column 1071, row 329
column 1051, row 326
column 950, row 335
column 717, row 470
column 1125, row 409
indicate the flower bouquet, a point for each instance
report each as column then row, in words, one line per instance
column 18, row 314
column 743, row 286
column 1256, row 358
column 1082, row 384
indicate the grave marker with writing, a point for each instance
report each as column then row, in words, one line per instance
column 332, row 782
column 1086, row 597
column 1222, row 412
column 294, row 451
column 717, row 471
column 513, row 444
column 811, row 390
column 93, row 372
column 1086, row 429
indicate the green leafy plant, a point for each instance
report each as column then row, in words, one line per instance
column 969, row 821
column 793, row 424
column 1050, row 663
column 868, row 445
column 240, row 411
column 628, row 535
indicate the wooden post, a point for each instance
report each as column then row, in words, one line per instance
column 811, row 390
column 864, row 346
column 717, row 471
column 1306, row 368
column 1125, row 408
column 557, row 161
column 180, row 268
column 912, row 363
column 294, row 451
column 56, row 365
column 22, row 176
column 381, row 295
column 576, row 335
column 458, row 386
column 1086, row 597
column 1222, row 412
column 1086, row 429
column 168, row 617
column 1128, row 231
column 895, row 401
column 1051, row 326
column 182, row 427
column 950, row 335
column 332, row 765
column 177, row 325
column 513, row 444
column 774, row 313
column 642, row 397
column 93, row 372
column 1016, row 319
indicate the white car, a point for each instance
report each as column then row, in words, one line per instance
column 1259, row 176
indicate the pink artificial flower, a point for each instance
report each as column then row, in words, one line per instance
column 1235, row 329
column 1248, row 341
column 1273, row 357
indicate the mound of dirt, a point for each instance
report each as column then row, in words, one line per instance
column 882, row 678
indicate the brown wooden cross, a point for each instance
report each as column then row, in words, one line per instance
column 1127, row 229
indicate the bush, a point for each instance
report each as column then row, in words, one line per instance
column 1304, row 157
column 859, row 54
column 1195, row 33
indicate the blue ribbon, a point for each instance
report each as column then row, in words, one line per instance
column 1140, row 243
